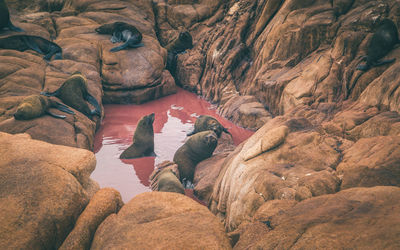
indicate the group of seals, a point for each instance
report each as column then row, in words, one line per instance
column 5, row 21
column 206, row 122
column 143, row 139
column 176, row 46
column 74, row 92
column 37, row 105
column 122, row 32
column 381, row 43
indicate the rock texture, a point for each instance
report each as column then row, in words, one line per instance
column 155, row 220
column 42, row 191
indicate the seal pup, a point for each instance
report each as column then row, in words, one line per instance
column 122, row 32
column 5, row 21
column 36, row 43
column 206, row 122
column 178, row 45
column 165, row 178
column 197, row 148
column 143, row 140
column 37, row 105
column 74, row 92
column 381, row 43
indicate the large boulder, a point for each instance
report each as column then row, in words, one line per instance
column 156, row 220
column 43, row 191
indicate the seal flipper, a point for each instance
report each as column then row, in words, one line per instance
column 118, row 48
column 63, row 108
column 14, row 28
column 55, row 115
column 93, row 101
column 138, row 45
column 226, row 131
column 363, row 67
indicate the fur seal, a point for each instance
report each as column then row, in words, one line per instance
column 122, row 32
column 165, row 179
column 5, row 21
column 206, row 122
column 178, row 45
column 74, row 92
column 37, row 105
column 196, row 149
column 381, row 43
column 143, row 139
column 36, row 43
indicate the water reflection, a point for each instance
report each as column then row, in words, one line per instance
column 174, row 118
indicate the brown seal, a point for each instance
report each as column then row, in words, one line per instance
column 206, row 122
column 143, row 140
column 122, row 32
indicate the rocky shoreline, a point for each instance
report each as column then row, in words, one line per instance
column 321, row 171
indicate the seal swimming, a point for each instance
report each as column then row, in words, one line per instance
column 5, row 21
column 143, row 140
column 122, row 32
column 37, row 105
column 74, row 92
column 206, row 122
column 36, row 43
column 381, row 43
column 197, row 148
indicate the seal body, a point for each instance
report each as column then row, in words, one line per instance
column 36, row 43
column 167, row 181
column 74, row 92
column 381, row 43
column 197, row 148
column 143, row 139
column 37, row 105
column 5, row 21
column 122, row 32
column 206, row 122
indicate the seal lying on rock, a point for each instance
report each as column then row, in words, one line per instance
column 381, row 43
column 176, row 46
column 36, row 43
column 37, row 105
column 74, row 93
column 143, row 140
column 197, row 148
column 5, row 21
column 206, row 122
column 122, row 32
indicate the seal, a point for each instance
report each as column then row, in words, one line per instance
column 36, row 43
column 5, row 21
column 381, row 43
column 206, row 122
column 37, row 105
column 165, row 178
column 74, row 92
column 122, row 32
column 143, row 139
column 179, row 45
column 197, row 148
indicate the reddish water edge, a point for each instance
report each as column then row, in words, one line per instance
column 174, row 118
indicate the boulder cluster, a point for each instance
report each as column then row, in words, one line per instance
column 321, row 171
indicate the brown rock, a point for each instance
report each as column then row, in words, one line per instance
column 105, row 202
column 161, row 220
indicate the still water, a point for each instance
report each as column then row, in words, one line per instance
column 174, row 118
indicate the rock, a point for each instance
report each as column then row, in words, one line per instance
column 105, row 202
column 330, row 222
column 42, row 191
column 161, row 220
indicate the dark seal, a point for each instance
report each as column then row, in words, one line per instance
column 206, row 122
column 36, row 43
column 74, row 92
column 381, row 43
column 122, row 32
column 179, row 45
column 37, row 105
column 5, row 22
column 196, row 149
column 143, row 140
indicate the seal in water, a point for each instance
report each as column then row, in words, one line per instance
column 143, row 139
column 176, row 46
column 74, row 92
column 381, row 43
column 196, row 149
column 5, row 21
column 165, row 178
column 206, row 122
column 37, row 105
column 122, row 32
column 36, row 43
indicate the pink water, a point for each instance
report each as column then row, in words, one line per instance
column 174, row 118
